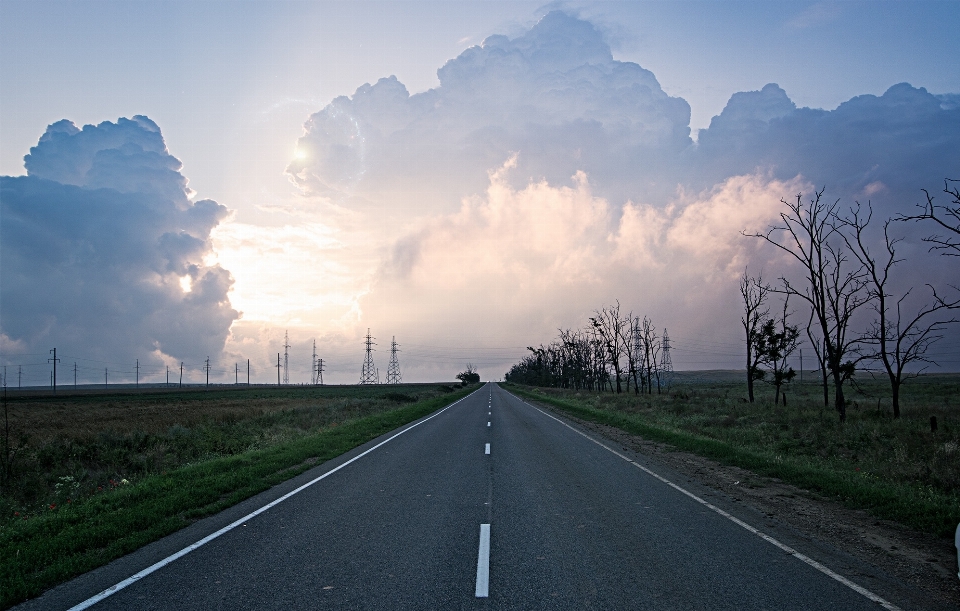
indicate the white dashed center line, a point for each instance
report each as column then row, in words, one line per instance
column 483, row 562
column 487, row 449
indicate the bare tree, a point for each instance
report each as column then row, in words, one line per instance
column 899, row 339
column 947, row 217
column 835, row 286
column 629, row 339
column 651, row 353
column 754, row 293
column 820, row 351
column 609, row 326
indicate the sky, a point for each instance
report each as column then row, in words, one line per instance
column 467, row 177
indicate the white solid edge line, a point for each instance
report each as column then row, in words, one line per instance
column 486, row 450
column 803, row 558
column 483, row 563
column 162, row 563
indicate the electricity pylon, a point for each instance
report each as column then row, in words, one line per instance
column 313, row 367
column 393, row 369
column 286, row 358
column 368, row 374
column 666, row 363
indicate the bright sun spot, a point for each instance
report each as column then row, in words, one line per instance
column 186, row 283
column 300, row 154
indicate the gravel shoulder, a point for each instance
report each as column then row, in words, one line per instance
column 923, row 561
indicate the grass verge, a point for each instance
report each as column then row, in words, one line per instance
column 44, row 550
column 919, row 506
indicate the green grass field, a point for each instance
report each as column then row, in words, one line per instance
column 97, row 476
column 897, row 469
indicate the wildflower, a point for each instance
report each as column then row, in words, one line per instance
column 53, row 506
column 16, row 513
column 99, row 488
column 124, row 481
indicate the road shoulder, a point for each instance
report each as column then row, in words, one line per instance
column 925, row 563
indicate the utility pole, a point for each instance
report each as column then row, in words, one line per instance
column 138, row 374
column 74, row 374
column 181, row 374
column 393, row 369
column 368, row 373
column 286, row 362
column 54, row 360
column 168, row 376
column 313, row 364
column 248, row 372
column 105, row 383
column 206, row 367
column 278, row 369
column 236, row 374
column 19, row 374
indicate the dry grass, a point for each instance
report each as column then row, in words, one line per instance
column 76, row 445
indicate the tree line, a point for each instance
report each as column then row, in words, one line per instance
column 846, row 281
column 614, row 351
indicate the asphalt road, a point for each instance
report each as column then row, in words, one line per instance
column 572, row 525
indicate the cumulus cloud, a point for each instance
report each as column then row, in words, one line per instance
column 604, row 193
column 524, row 262
column 103, row 250
column 555, row 94
column 907, row 139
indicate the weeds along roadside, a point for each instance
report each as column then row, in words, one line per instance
column 44, row 548
column 897, row 470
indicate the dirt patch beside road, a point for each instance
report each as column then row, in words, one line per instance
column 924, row 561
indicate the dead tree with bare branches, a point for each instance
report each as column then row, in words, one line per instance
column 898, row 339
column 608, row 326
column 947, row 217
column 754, row 293
column 834, row 286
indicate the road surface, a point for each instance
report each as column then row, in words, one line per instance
column 488, row 504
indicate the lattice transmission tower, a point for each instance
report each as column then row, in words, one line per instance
column 393, row 370
column 369, row 374
column 313, row 365
column 286, row 358
column 666, row 363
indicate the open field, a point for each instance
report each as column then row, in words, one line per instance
column 897, row 469
column 96, row 476
column 69, row 446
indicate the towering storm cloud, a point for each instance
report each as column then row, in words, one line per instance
column 103, row 250
column 555, row 95
column 547, row 135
